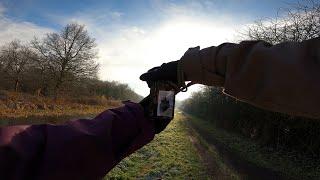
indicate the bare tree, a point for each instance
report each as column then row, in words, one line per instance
column 38, row 75
column 68, row 55
column 299, row 22
column 15, row 59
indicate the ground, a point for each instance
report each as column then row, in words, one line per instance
column 176, row 153
column 189, row 148
column 192, row 148
column 250, row 159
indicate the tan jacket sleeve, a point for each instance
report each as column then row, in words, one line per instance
column 283, row 77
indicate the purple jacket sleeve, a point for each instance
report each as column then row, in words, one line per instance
column 81, row 149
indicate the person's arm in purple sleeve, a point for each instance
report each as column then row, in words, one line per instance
column 81, row 149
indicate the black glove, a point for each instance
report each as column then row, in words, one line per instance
column 166, row 72
column 159, row 124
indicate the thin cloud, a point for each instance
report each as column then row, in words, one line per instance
column 24, row 31
column 116, row 14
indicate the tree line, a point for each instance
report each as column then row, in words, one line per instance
column 272, row 129
column 59, row 64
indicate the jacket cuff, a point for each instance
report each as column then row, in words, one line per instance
column 190, row 65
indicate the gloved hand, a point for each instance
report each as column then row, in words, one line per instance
column 159, row 124
column 166, row 72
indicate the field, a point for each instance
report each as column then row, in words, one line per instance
column 21, row 108
column 189, row 148
column 176, row 153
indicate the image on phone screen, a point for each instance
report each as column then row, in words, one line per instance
column 165, row 103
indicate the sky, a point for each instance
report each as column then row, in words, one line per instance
column 136, row 35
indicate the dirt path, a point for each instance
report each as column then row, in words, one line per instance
column 213, row 169
column 244, row 168
column 208, row 161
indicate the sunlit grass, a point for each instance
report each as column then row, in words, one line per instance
column 170, row 155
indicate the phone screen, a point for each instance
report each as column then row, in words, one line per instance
column 166, row 101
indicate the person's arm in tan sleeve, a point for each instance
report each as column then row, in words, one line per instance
column 283, row 77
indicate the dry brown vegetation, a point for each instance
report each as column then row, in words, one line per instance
column 16, row 105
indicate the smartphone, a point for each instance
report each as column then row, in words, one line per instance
column 163, row 98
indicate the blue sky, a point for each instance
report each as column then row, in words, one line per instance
column 134, row 36
column 139, row 11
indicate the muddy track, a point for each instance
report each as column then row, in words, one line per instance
column 207, row 160
column 243, row 167
column 212, row 168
